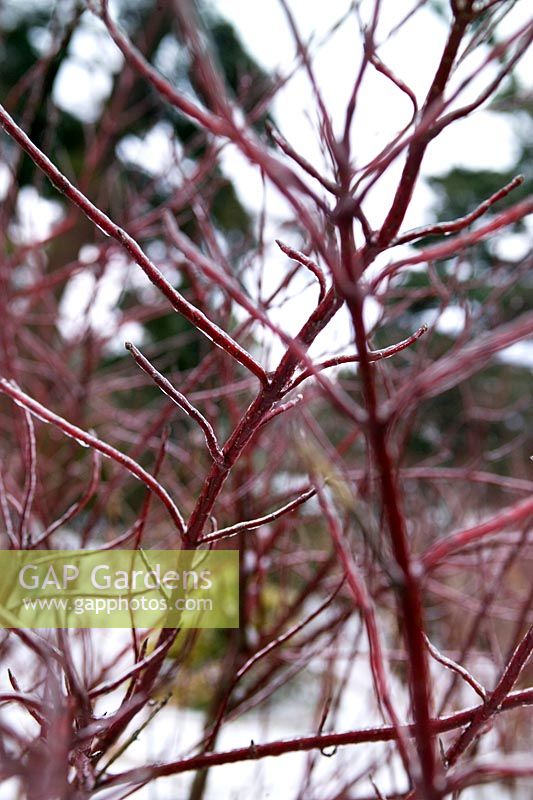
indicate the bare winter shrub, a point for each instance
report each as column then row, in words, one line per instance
column 377, row 495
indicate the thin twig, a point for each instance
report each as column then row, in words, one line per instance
column 180, row 400
column 6, row 513
column 30, row 456
column 308, row 263
column 252, row 524
column 457, row 668
column 496, row 698
column 110, row 228
column 84, row 438
column 77, row 506
column 302, row 162
column 450, row 248
column 512, row 515
column 461, row 222
column 373, row 355
column 279, row 747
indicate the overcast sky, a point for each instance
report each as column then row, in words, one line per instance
column 484, row 140
column 481, row 141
